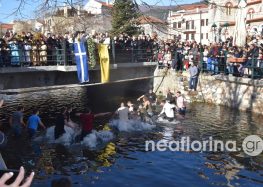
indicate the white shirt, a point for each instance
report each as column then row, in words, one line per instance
column 131, row 108
column 168, row 110
column 123, row 113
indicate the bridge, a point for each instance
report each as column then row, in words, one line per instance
column 21, row 79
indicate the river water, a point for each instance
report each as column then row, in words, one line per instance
column 124, row 161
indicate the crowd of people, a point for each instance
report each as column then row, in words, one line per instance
column 169, row 107
column 221, row 57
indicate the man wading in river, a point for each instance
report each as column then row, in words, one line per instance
column 60, row 123
column 151, row 96
column 180, row 101
column 86, row 120
column 123, row 112
column 33, row 122
column 168, row 110
column 16, row 121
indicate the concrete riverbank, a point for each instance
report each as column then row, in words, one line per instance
column 50, row 76
column 240, row 93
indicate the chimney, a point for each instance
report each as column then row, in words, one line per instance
column 107, row 2
column 65, row 10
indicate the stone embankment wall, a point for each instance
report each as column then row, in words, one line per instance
column 241, row 93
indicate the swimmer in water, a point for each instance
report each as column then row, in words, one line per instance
column 150, row 95
column 68, row 115
column 147, row 106
column 86, row 120
column 167, row 111
column 33, row 122
column 123, row 112
column 132, row 112
column 181, row 104
column 60, row 123
column 130, row 106
column 17, row 122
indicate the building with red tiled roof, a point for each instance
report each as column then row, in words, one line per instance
column 151, row 25
column 5, row 27
column 149, row 19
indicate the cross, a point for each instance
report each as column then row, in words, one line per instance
column 81, row 54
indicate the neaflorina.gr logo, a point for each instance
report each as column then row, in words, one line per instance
column 252, row 145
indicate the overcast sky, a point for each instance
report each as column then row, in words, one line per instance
column 7, row 7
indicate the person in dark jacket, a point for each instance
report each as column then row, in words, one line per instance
column 60, row 123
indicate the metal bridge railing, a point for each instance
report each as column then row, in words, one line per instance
column 42, row 55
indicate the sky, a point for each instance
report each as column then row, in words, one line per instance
column 8, row 7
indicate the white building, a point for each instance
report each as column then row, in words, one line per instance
column 190, row 22
column 215, row 20
column 98, row 7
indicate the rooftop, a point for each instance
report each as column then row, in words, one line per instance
column 149, row 19
column 105, row 4
column 6, row 26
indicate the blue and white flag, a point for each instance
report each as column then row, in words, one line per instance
column 81, row 61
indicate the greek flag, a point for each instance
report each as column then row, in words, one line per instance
column 81, row 61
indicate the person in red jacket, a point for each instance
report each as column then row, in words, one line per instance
column 86, row 121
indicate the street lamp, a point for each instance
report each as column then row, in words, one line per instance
column 214, row 28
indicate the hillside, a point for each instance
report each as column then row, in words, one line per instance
column 160, row 12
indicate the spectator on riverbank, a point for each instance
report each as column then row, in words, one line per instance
column 176, row 54
column 193, row 71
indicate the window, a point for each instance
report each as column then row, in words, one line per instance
column 175, row 25
column 250, row 13
column 187, row 25
column 206, row 22
column 206, row 35
column 202, row 22
column 187, row 36
column 228, row 8
column 202, row 36
column 193, row 24
column 179, row 25
column 192, row 36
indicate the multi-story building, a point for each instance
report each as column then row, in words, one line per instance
column 214, row 21
column 94, row 15
column 190, row 22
